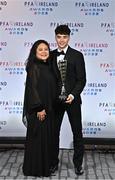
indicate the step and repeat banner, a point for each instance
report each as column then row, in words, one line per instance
column 92, row 25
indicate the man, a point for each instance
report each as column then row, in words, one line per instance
column 71, row 81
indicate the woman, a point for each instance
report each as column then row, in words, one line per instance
column 38, row 108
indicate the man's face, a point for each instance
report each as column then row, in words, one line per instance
column 62, row 40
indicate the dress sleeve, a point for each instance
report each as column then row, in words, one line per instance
column 32, row 98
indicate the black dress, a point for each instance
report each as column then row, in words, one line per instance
column 40, row 94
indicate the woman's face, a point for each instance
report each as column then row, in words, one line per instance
column 42, row 51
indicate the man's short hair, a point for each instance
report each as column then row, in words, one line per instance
column 62, row 29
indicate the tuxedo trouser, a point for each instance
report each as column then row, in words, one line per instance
column 74, row 115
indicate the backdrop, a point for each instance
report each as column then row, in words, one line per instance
column 92, row 25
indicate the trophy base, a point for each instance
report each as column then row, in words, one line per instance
column 62, row 98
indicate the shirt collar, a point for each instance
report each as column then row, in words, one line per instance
column 65, row 49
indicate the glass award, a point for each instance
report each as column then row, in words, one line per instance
column 62, row 65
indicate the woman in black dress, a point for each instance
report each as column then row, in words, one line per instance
column 40, row 92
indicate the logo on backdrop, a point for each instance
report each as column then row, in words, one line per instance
column 28, row 44
column 3, row 4
column 3, row 84
column 2, row 124
column 108, row 107
column 93, row 128
column 2, row 45
column 74, row 26
column 108, row 27
column 12, row 107
column 12, row 67
column 94, row 88
column 41, row 7
column 52, row 45
column 91, row 49
column 16, row 28
column 92, row 8
column 108, row 68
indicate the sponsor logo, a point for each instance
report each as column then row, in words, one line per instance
column 51, row 44
column 91, row 49
column 3, row 4
column 92, row 8
column 108, row 107
column 41, row 7
column 2, row 84
column 12, row 67
column 108, row 68
column 2, row 45
column 2, row 124
column 74, row 26
column 93, row 89
column 108, row 27
column 12, row 107
column 16, row 28
column 93, row 128
column 28, row 44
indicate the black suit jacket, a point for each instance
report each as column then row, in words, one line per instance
column 75, row 74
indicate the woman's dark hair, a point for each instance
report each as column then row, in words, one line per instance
column 32, row 55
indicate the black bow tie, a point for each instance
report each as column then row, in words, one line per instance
column 60, row 53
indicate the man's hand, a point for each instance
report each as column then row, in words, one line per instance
column 69, row 99
column 41, row 115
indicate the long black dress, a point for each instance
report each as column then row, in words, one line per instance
column 40, row 94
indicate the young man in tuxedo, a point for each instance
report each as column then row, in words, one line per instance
column 70, row 100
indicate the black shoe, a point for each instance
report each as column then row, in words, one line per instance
column 53, row 169
column 79, row 170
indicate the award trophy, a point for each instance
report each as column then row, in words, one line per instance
column 62, row 65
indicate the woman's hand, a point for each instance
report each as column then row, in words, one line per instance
column 41, row 115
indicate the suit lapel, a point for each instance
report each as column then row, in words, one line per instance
column 67, row 53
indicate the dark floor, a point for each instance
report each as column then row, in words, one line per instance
column 98, row 164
